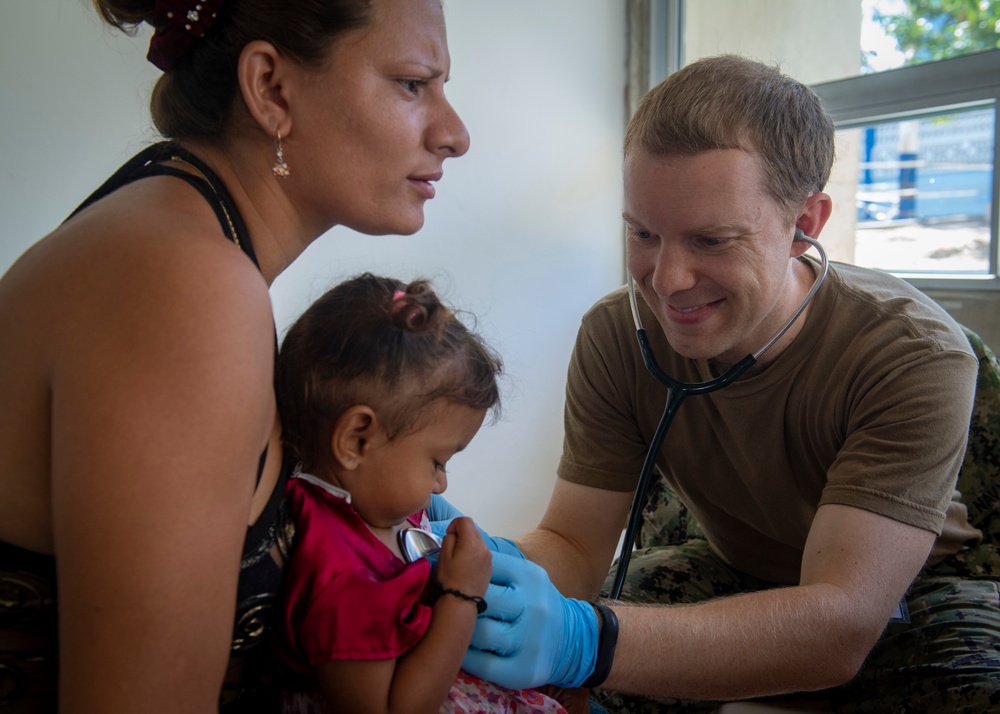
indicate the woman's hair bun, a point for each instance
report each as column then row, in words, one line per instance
column 128, row 14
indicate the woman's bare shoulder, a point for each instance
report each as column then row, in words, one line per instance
column 140, row 318
column 152, row 248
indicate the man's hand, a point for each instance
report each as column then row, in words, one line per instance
column 531, row 635
column 441, row 513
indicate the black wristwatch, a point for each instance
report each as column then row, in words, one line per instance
column 606, row 641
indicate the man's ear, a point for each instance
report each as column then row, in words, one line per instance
column 813, row 215
column 262, row 72
column 350, row 441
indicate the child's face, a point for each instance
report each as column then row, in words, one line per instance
column 399, row 476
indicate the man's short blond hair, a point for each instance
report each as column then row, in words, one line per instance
column 730, row 102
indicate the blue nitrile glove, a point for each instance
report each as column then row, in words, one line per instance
column 441, row 510
column 531, row 635
column 441, row 513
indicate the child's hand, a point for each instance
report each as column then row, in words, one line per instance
column 464, row 563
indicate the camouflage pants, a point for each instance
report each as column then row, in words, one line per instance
column 947, row 659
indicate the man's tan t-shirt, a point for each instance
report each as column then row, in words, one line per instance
column 868, row 407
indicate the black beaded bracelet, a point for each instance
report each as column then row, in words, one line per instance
column 606, row 641
column 480, row 602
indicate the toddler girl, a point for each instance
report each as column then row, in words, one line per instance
column 379, row 385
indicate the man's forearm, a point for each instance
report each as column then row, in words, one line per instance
column 577, row 537
column 772, row 642
column 568, row 566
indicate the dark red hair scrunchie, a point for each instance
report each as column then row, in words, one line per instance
column 186, row 21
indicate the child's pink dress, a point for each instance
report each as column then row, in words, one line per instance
column 347, row 596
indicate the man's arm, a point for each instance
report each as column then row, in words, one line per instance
column 577, row 537
column 856, row 567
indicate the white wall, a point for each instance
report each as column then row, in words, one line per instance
column 524, row 232
column 813, row 41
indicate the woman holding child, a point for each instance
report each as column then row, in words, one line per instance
column 140, row 463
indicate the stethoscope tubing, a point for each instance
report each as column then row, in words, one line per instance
column 677, row 391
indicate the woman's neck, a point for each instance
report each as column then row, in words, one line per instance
column 274, row 226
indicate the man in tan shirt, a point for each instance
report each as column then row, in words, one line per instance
column 824, row 478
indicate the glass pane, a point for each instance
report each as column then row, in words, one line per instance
column 895, row 33
column 924, row 193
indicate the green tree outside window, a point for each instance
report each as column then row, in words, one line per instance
column 930, row 30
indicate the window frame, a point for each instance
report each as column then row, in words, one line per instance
column 655, row 46
column 933, row 87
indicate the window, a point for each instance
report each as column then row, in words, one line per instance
column 926, row 153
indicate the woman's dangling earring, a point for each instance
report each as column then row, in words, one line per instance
column 280, row 168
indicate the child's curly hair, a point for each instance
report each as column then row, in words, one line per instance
column 375, row 341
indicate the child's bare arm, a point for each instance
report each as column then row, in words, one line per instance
column 418, row 681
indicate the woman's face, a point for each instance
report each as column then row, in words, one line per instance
column 372, row 129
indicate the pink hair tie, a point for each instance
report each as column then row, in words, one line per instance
column 184, row 22
column 397, row 303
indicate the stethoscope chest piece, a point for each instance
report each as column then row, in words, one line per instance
column 417, row 543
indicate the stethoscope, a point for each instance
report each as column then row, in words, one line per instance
column 677, row 391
